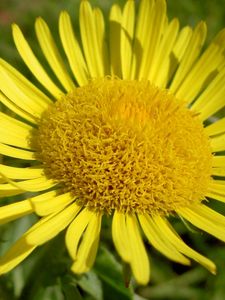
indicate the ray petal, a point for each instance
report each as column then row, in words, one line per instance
column 72, row 49
column 218, row 161
column 119, row 235
column 75, row 231
column 153, row 234
column 127, row 32
column 212, row 225
column 52, row 54
column 52, row 225
column 139, row 259
column 21, row 91
column 51, row 203
column 89, row 36
column 115, row 19
column 14, row 211
column 169, row 235
column 32, row 62
column 192, row 51
column 21, row 173
column 212, row 99
column 88, row 247
column 218, row 143
column 215, row 128
column 17, row 153
column 16, row 254
column 205, row 66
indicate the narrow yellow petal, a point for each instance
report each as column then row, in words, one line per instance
column 218, row 143
column 212, row 226
column 72, row 49
column 7, row 190
column 217, row 127
column 52, row 54
column 15, row 132
column 212, row 99
column 115, row 19
column 88, row 247
column 218, row 161
column 181, row 44
column 217, row 186
column 192, row 51
column 14, row 211
column 119, row 234
column 127, row 32
column 215, row 196
column 100, row 33
column 91, row 48
column 32, row 62
column 50, row 227
column 196, row 79
column 21, row 173
column 33, row 185
column 153, row 234
column 21, row 91
column 218, row 171
column 16, row 254
column 153, row 33
column 168, row 234
column 75, row 231
column 162, row 61
column 142, row 30
column 139, row 259
column 17, row 153
column 16, row 109
column 52, row 204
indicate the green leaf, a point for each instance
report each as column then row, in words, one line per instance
column 110, row 272
column 91, row 284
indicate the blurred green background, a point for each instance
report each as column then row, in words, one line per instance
column 45, row 275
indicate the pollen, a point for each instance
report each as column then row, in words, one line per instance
column 125, row 145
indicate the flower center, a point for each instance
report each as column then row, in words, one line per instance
column 125, row 145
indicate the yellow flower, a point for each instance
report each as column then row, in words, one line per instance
column 126, row 133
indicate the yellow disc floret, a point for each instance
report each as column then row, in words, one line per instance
column 125, row 145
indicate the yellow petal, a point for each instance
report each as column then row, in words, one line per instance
column 14, row 211
column 72, row 49
column 89, row 39
column 196, row 79
column 155, row 24
column 33, row 64
column 88, row 247
column 139, row 259
column 15, row 132
column 127, row 31
column 21, row 91
column 52, row 204
column 153, row 234
column 119, row 234
column 17, row 153
column 181, row 45
column 218, row 171
column 217, row 186
column 215, row 196
column 212, row 99
column 169, row 235
column 218, row 161
column 52, row 54
column 7, row 190
column 16, row 254
column 52, row 225
column 162, row 65
column 16, row 109
column 33, row 185
column 192, row 51
column 218, row 143
column 75, row 231
column 115, row 19
column 217, row 127
column 212, row 226
column 21, row 173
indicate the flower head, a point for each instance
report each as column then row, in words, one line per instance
column 128, row 135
